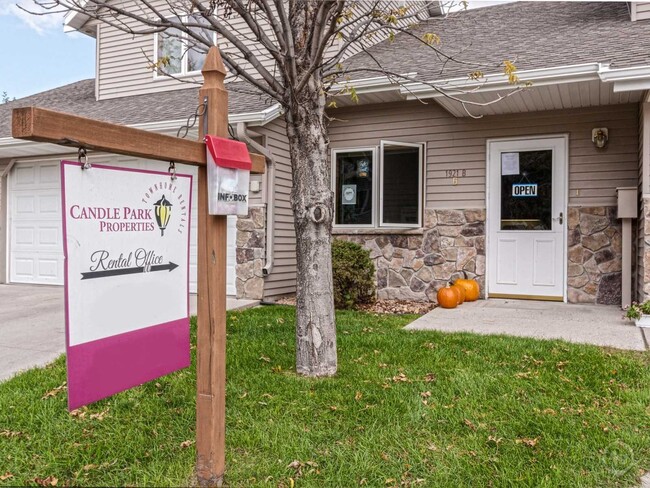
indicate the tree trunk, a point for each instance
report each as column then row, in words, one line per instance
column 311, row 200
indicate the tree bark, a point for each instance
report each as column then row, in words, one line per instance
column 311, row 200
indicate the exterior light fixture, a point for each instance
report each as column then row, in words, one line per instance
column 599, row 137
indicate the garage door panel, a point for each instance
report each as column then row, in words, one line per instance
column 23, row 175
column 41, row 269
column 49, row 206
column 24, row 206
column 49, row 175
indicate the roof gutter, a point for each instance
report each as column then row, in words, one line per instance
column 624, row 79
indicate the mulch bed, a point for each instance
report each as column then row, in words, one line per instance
column 395, row 307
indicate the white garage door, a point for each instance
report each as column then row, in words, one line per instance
column 35, row 236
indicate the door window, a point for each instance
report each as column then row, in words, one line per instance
column 526, row 190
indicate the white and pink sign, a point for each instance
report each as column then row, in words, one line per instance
column 126, row 235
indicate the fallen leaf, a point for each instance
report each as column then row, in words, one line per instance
column 432, row 447
column 527, row 441
column 382, row 365
column 389, row 481
column 244, row 395
column 494, row 440
column 11, row 433
column 469, row 424
column 358, row 396
column 430, row 378
column 265, row 359
column 523, row 375
column 425, row 394
column 267, row 395
column 99, row 416
column 89, row 467
column 187, row 443
column 277, row 369
column 333, row 408
column 363, row 481
column 385, row 456
column 6, row 476
column 54, row 392
column 49, row 481
column 79, row 412
column 401, row 378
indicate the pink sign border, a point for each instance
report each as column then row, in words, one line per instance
column 125, row 360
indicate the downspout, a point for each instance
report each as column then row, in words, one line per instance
column 245, row 135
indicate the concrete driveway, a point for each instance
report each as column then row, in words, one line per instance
column 32, row 325
column 600, row 325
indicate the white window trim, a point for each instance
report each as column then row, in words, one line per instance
column 377, row 185
column 420, row 147
column 373, row 150
column 183, row 74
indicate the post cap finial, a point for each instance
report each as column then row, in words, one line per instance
column 214, row 64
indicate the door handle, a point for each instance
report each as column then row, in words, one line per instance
column 560, row 218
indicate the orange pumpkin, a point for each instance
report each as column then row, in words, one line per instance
column 448, row 297
column 472, row 290
column 461, row 292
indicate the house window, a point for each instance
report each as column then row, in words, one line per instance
column 177, row 54
column 379, row 187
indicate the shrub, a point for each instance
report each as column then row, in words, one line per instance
column 353, row 273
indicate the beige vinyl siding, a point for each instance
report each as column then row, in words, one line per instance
column 123, row 64
column 282, row 279
column 460, row 143
column 640, row 10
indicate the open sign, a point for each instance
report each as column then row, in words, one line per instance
column 524, row 190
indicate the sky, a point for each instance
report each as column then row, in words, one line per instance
column 37, row 55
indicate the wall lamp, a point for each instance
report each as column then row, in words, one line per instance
column 599, row 137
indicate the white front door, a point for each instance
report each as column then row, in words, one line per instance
column 527, row 182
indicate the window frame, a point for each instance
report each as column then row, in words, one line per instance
column 184, row 57
column 377, row 166
column 421, row 153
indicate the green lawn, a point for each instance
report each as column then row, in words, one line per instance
column 406, row 409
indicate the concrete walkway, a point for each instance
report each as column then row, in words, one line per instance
column 588, row 324
column 32, row 325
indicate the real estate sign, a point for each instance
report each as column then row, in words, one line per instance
column 126, row 235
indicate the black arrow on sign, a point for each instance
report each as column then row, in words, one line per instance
column 116, row 272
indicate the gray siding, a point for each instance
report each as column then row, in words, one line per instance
column 282, row 280
column 460, row 143
column 123, row 59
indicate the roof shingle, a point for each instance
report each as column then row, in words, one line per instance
column 533, row 34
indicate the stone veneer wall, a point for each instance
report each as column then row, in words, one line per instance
column 595, row 261
column 251, row 239
column 414, row 266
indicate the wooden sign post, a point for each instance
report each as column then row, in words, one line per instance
column 42, row 125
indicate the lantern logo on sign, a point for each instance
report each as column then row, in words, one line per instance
column 163, row 209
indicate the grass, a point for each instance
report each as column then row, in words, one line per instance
column 406, row 409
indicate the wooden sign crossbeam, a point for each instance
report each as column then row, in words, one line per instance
column 42, row 125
